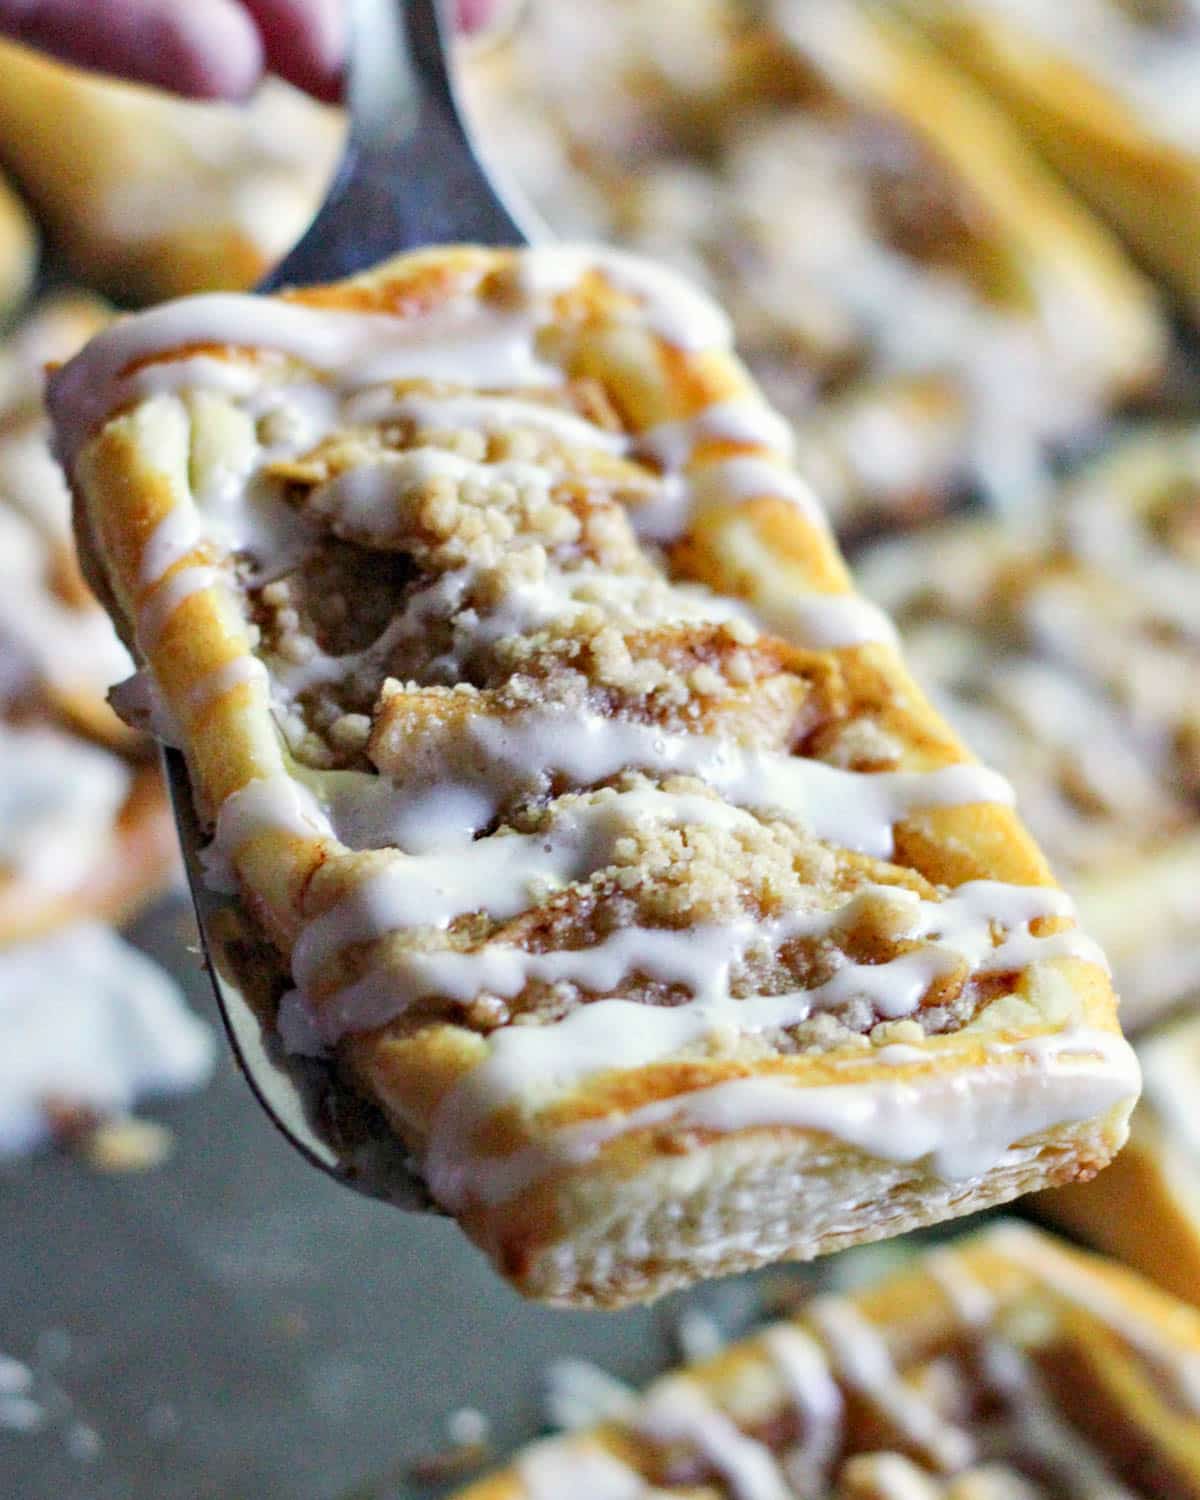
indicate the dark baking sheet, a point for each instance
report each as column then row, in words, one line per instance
column 233, row 1324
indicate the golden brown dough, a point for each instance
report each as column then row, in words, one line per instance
column 150, row 196
column 1004, row 1366
column 610, row 845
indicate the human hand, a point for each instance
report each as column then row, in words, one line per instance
column 207, row 49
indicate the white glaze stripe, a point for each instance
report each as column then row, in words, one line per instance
column 854, row 810
column 962, row 1127
column 676, row 1410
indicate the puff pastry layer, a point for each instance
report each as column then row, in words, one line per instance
column 150, row 196
column 606, row 839
column 84, row 829
column 1107, row 91
column 1068, row 656
column 1002, row 1367
column 910, row 285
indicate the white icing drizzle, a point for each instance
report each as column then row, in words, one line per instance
column 668, row 304
column 494, row 875
column 746, row 420
column 963, row 1128
column 555, row 1469
column 156, row 613
column 677, row 1410
column 223, row 679
column 471, row 348
column 861, row 1358
column 1180, row 1367
column 269, row 804
column 973, row 1304
column 816, row 1397
column 856, row 810
column 488, row 413
column 1078, row 1471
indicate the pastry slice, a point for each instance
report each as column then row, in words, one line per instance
column 913, row 289
column 599, row 831
column 1107, row 90
column 150, row 196
column 1146, row 1211
column 1001, row 1367
column 1069, row 659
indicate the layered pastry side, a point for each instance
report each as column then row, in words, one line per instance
column 598, row 830
column 1069, row 658
column 147, row 195
column 1004, row 1366
column 913, row 289
column 86, row 1023
column 1108, row 91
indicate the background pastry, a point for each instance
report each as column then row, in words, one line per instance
column 84, row 828
column 1107, row 91
column 1003, row 1367
column 641, row 923
column 1146, row 1210
column 915, row 292
column 146, row 195
column 1066, row 655
column 18, row 249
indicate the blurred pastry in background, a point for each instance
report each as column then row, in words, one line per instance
column 84, row 828
column 913, row 288
column 1145, row 1209
column 18, row 250
column 87, row 1024
column 1070, row 659
column 1005, row 1366
column 89, row 1027
column 1109, row 91
column 146, row 195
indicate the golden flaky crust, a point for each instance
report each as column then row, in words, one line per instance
column 643, row 1167
column 1002, row 1367
column 1087, row 121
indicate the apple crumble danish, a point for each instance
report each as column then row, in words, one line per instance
column 604, row 838
column 1070, row 660
column 1001, row 1367
column 84, row 828
column 1107, row 89
column 912, row 288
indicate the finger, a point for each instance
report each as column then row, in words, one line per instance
column 204, row 48
column 474, row 15
column 304, row 41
